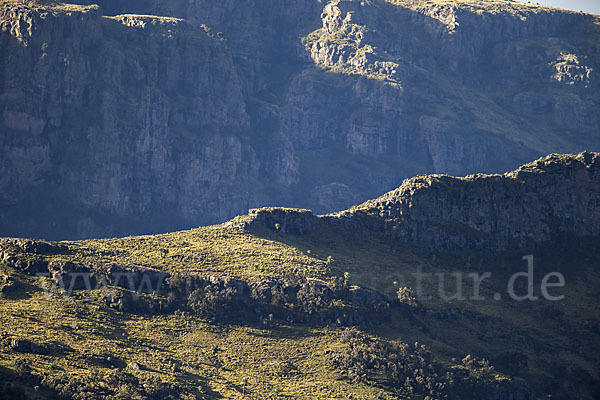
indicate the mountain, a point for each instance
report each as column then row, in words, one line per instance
column 282, row 303
column 137, row 117
column 557, row 194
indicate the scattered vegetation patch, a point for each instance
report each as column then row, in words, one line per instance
column 111, row 384
column 411, row 370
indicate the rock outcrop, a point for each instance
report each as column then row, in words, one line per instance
column 6, row 283
column 285, row 220
column 557, row 194
column 535, row 203
column 191, row 112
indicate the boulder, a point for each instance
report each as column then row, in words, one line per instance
column 27, row 346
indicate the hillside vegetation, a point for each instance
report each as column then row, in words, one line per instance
column 263, row 308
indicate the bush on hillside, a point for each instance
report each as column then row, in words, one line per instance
column 407, row 297
column 314, row 297
column 211, row 301
column 111, row 384
column 406, row 368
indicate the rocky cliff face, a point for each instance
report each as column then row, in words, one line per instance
column 437, row 56
column 536, row 202
column 558, row 194
column 125, row 116
column 116, row 123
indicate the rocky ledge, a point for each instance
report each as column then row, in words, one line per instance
column 557, row 194
column 286, row 220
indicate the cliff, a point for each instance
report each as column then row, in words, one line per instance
column 538, row 202
column 534, row 203
column 122, row 116
column 114, row 121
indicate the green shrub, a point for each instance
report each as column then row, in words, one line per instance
column 406, row 368
column 314, row 297
column 211, row 300
column 407, row 297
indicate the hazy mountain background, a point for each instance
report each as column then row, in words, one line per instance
column 113, row 123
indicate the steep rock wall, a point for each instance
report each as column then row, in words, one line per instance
column 134, row 124
column 126, row 116
column 539, row 201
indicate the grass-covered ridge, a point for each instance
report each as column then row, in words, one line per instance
column 277, row 312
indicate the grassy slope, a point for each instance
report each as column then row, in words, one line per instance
column 95, row 336
column 86, row 333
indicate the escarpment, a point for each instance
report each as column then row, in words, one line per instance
column 137, row 117
column 538, row 202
